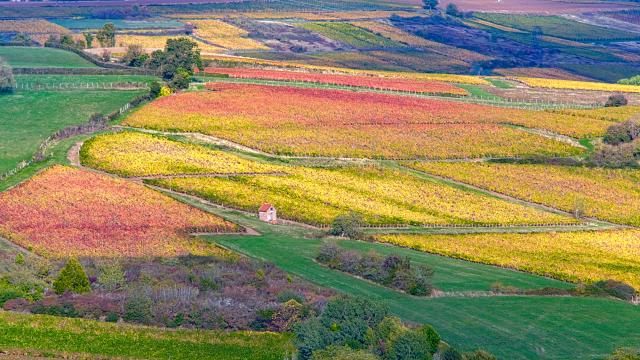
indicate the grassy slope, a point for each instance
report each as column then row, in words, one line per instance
column 49, row 333
column 512, row 327
column 42, row 57
column 81, row 79
column 29, row 117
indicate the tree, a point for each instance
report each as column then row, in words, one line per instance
column 410, row 345
column 72, row 278
column 135, row 56
column 430, row 4
column 347, row 225
column 180, row 53
column 616, row 100
column 451, row 354
column 22, row 39
column 181, row 79
column 452, row 10
column 107, row 35
column 106, row 55
column 154, row 89
column 88, row 39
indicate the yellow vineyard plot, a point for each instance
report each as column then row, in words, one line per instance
column 608, row 194
column 574, row 256
column 225, row 35
column 577, row 85
column 138, row 154
column 158, row 42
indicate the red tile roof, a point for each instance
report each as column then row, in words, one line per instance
column 265, row 207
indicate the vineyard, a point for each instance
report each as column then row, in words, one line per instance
column 371, row 82
column 158, row 42
column 97, row 215
column 350, row 35
column 384, row 197
column 138, row 154
column 557, row 26
column 303, row 121
column 573, row 256
column 225, row 35
column 34, row 26
column 608, row 194
column 577, row 85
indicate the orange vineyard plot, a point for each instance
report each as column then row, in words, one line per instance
column 304, row 121
column 68, row 212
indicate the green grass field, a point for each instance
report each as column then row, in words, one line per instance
column 33, row 57
column 41, row 333
column 79, row 80
column 29, row 117
column 512, row 327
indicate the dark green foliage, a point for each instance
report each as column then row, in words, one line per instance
column 452, row 10
column 179, row 54
column 431, row 337
column 634, row 80
column 392, row 271
column 181, row 79
column 347, row 225
column 135, row 56
column 450, row 354
column 138, row 309
column 287, row 295
column 264, row 317
column 343, row 353
column 154, row 89
column 88, row 39
column 112, row 317
column 65, row 310
column 616, row 100
column 410, row 345
column 72, row 278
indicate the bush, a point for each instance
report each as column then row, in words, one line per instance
column 613, row 288
column 625, row 354
column 7, row 81
column 431, row 337
column 347, row 225
column 450, row 354
column 634, row 80
column 622, row 133
column 342, row 353
column 64, row 310
column 154, row 89
column 72, row 278
column 138, row 309
column 410, row 345
column 111, row 275
column 479, row 355
column 392, row 271
column 616, row 100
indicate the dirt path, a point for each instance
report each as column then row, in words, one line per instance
column 74, row 154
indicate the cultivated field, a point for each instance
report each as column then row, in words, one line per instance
column 65, row 212
column 225, row 35
column 370, row 82
column 302, row 121
column 574, row 256
column 608, row 194
column 578, row 85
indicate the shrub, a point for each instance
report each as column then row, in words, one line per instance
column 7, row 81
column 64, row 310
column 154, row 89
column 72, row 278
column 431, row 337
column 622, row 133
column 342, row 353
column 138, row 308
column 478, row 355
column 625, row 354
column 286, row 295
column 450, row 354
column 410, row 345
column 391, row 271
column 111, row 275
column 347, row 225
column 616, row 100
column 613, row 288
